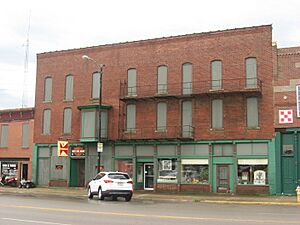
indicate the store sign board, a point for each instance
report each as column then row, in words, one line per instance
column 62, row 148
column 259, row 177
column 77, row 151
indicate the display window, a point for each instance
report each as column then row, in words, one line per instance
column 253, row 174
column 125, row 165
column 167, row 171
column 9, row 169
column 194, row 174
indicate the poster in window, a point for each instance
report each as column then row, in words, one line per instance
column 166, row 164
column 259, row 177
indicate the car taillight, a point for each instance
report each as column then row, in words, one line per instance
column 108, row 181
column 130, row 182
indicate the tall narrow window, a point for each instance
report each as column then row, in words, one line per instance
column 104, row 123
column 25, row 135
column 186, row 121
column 48, row 89
column 67, row 121
column 162, row 76
column 88, row 129
column 131, row 76
column 4, row 132
column 161, row 124
column 69, row 88
column 216, row 75
column 251, row 73
column 187, row 77
column 217, row 113
column 130, row 117
column 46, row 121
column 96, row 85
column 252, row 113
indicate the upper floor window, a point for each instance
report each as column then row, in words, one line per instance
column 130, row 117
column 48, row 89
column 161, row 116
column 25, row 135
column 46, row 121
column 251, row 73
column 186, row 121
column 217, row 113
column 252, row 112
column 131, row 79
column 3, row 137
column 69, row 88
column 67, row 121
column 90, row 124
column 162, row 77
column 96, row 85
column 216, row 74
column 187, row 77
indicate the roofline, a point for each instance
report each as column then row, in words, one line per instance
column 16, row 110
column 160, row 39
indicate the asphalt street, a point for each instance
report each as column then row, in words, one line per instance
column 25, row 210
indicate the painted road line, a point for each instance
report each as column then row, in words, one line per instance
column 34, row 221
column 65, row 210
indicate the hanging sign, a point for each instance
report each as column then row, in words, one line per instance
column 100, row 147
column 77, row 151
column 62, row 148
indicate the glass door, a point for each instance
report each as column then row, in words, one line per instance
column 223, row 182
column 148, row 176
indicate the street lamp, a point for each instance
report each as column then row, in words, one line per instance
column 100, row 71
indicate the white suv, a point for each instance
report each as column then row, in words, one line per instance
column 113, row 184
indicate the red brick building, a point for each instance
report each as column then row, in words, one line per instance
column 190, row 112
column 287, row 118
column 16, row 142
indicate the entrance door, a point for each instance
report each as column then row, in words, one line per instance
column 77, row 175
column 288, row 175
column 44, row 171
column 24, row 171
column 148, row 176
column 223, row 181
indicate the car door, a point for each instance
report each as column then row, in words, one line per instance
column 96, row 182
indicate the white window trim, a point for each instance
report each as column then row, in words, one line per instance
column 194, row 162
column 253, row 162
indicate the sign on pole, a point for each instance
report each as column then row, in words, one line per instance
column 62, row 148
column 100, row 147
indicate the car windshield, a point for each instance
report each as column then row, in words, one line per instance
column 120, row 176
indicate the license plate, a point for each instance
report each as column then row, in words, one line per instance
column 120, row 183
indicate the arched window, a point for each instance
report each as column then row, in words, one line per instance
column 216, row 74
column 187, row 77
column 48, row 89
column 69, row 88
column 162, row 78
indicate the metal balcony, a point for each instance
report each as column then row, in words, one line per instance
column 188, row 89
column 156, row 133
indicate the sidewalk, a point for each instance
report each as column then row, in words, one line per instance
column 159, row 196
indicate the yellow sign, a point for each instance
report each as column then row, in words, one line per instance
column 62, row 148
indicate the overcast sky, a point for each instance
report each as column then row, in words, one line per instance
column 64, row 24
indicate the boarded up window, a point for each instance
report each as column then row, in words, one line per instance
column 48, row 89
column 161, row 116
column 130, row 117
column 187, row 119
column 251, row 73
column 216, row 74
column 252, row 149
column 217, row 113
column 4, row 132
column 69, row 88
column 104, row 124
column 162, row 76
column 298, row 99
column 187, row 73
column 89, row 124
column 252, row 112
column 96, row 85
column 25, row 135
column 67, row 120
column 223, row 149
column 46, row 121
column 131, row 76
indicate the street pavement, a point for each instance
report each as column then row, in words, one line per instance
column 161, row 196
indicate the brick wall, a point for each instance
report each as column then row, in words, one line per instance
column 244, row 189
column 230, row 46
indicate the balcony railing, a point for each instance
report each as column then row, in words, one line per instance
column 250, row 85
column 154, row 133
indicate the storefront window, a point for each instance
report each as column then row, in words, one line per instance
column 125, row 165
column 9, row 169
column 195, row 174
column 253, row 174
column 167, row 171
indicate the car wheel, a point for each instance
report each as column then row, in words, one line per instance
column 128, row 198
column 90, row 195
column 100, row 196
column 27, row 185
